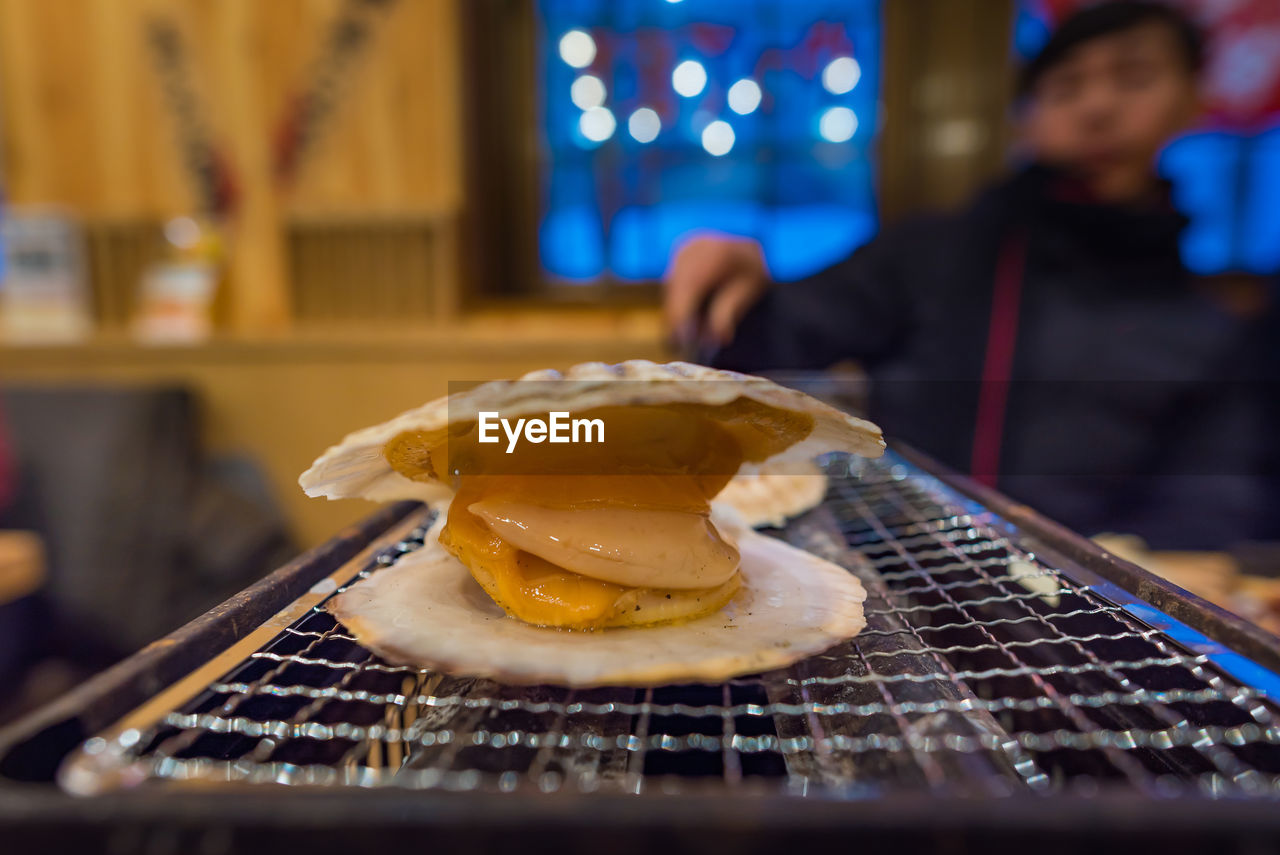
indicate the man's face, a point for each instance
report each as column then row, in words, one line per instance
column 1105, row 111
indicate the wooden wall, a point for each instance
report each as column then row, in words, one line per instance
column 86, row 123
column 947, row 87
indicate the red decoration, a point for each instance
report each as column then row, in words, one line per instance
column 1242, row 72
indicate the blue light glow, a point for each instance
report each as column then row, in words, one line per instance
column 1203, row 168
column 1031, row 28
column 572, row 244
column 615, row 206
column 1261, row 233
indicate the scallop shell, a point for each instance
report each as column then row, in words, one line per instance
column 426, row 610
column 769, row 495
column 356, row 467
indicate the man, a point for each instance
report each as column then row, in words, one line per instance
column 1047, row 339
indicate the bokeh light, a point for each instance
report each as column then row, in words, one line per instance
column 644, row 125
column 744, row 96
column 689, row 78
column 838, row 124
column 841, row 75
column 597, row 124
column 587, row 91
column 577, row 48
column 718, row 138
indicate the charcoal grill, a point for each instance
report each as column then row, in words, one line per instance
column 1013, row 680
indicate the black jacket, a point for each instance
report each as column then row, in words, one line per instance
column 1135, row 402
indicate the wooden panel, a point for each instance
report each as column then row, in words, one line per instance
column 946, row 95
column 360, row 270
column 87, row 123
column 84, row 125
column 118, row 252
column 395, row 140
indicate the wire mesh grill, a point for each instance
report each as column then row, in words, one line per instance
column 986, row 668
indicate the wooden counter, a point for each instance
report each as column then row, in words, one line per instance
column 286, row 399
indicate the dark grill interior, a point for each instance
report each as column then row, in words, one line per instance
column 988, row 666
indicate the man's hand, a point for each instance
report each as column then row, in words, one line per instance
column 710, row 284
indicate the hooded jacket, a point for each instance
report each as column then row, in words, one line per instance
column 1057, row 348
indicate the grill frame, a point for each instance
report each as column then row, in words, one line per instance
column 105, row 699
column 1178, row 603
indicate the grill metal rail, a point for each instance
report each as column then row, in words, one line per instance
column 990, row 665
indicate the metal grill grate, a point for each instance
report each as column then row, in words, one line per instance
column 989, row 665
